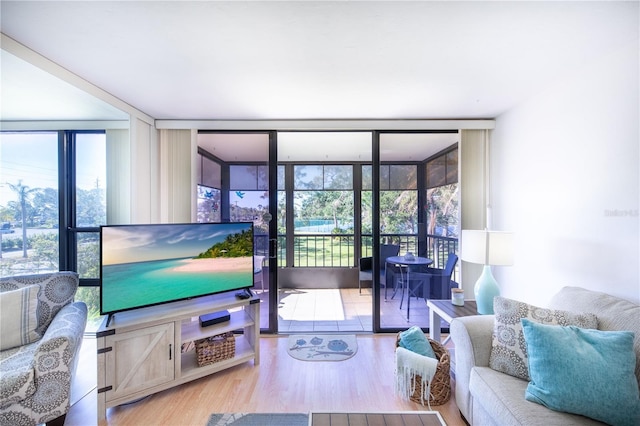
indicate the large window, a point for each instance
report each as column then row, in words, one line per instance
column 442, row 208
column 398, row 206
column 53, row 202
column 29, row 203
column 323, row 201
column 209, row 190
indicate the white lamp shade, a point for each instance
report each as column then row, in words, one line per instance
column 487, row 247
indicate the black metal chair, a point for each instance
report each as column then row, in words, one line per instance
column 366, row 267
column 433, row 283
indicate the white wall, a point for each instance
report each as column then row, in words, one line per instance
column 564, row 178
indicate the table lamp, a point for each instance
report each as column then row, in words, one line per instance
column 486, row 248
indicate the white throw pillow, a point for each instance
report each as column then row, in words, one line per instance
column 18, row 318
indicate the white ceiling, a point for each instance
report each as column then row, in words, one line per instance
column 307, row 59
column 302, row 60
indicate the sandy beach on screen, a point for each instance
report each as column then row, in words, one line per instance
column 220, row 264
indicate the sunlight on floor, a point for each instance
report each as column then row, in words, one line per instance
column 324, row 310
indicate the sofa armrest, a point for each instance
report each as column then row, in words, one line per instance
column 63, row 337
column 472, row 338
column 52, row 361
column 55, row 363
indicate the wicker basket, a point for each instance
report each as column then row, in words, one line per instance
column 215, row 348
column 441, row 383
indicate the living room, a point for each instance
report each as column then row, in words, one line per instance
column 551, row 87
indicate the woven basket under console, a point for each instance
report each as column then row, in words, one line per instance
column 216, row 348
column 441, row 383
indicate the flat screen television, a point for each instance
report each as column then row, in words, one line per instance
column 145, row 265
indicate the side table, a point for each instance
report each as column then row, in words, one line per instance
column 445, row 310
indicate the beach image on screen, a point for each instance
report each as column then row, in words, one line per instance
column 150, row 264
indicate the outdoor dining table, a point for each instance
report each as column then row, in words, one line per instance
column 407, row 262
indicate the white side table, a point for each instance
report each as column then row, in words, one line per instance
column 445, row 310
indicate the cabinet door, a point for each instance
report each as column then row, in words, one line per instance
column 140, row 359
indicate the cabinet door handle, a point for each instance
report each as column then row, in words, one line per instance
column 170, row 351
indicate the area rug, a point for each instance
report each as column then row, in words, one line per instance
column 322, row 347
column 423, row 418
column 258, row 419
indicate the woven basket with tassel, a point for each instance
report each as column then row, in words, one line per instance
column 441, row 383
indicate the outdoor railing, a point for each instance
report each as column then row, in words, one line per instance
column 337, row 250
column 324, row 251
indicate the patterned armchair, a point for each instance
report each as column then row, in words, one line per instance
column 42, row 329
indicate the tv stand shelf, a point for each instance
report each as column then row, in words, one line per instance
column 140, row 351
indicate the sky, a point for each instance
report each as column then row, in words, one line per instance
column 33, row 157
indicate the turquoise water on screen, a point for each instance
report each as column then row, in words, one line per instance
column 130, row 285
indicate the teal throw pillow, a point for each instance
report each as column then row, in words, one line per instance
column 414, row 340
column 583, row 371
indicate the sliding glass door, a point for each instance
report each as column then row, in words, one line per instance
column 234, row 181
column 341, row 197
column 406, row 213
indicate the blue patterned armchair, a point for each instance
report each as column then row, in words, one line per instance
column 42, row 329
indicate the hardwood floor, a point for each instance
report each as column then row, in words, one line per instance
column 364, row 383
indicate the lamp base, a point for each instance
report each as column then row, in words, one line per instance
column 485, row 290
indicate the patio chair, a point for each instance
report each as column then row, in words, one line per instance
column 433, row 283
column 258, row 277
column 386, row 273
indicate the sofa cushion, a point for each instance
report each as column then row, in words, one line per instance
column 588, row 372
column 508, row 348
column 57, row 289
column 17, row 374
column 18, row 317
column 613, row 313
column 501, row 397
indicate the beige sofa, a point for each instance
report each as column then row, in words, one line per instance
column 35, row 378
column 488, row 397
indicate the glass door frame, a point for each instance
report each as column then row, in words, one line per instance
column 271, row 259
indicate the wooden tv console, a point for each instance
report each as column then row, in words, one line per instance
column 139, row 351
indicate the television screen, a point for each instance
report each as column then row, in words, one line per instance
column 144, row 265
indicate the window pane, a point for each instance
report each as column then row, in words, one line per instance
column 436, row 172
column 250, row 206
column 323, row 212
column 91, row 178
column 442, row 211
column 452, row 167
column 307, row 177
column 208, row 204
column 338, row 177
column 323, row 228
column 280, row 178
column 90, row 296
column 211, row 173
column 367, row 178
column 29, row 202
column 243, row 177
column 263, row 178
column 282, row 226
column 366, row 227
column 398, row 212
column 403, row 177
column 88, row 254
column 384, row 177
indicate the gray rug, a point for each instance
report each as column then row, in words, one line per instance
column 258, row 419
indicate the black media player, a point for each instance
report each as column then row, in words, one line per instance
column 214, row 318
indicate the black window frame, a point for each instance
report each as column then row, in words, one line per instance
column 67, row 228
